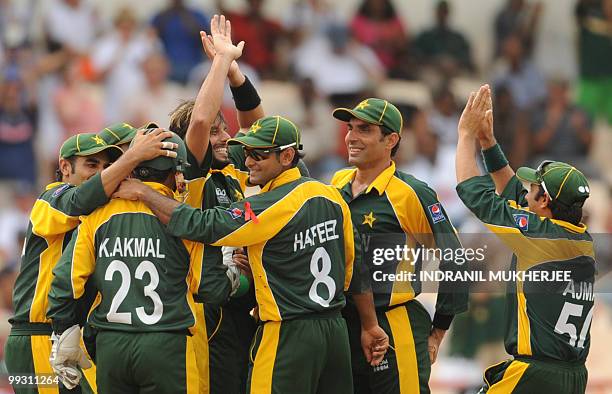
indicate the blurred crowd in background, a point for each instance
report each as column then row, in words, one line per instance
column 74, row 70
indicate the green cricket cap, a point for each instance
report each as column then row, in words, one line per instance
column 178, row 163
column 118, row 134
column 374, row 111
column 86, row 144
column 270, row 132
column 561, row 181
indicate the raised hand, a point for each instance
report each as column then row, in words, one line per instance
column 221, row 30
column 477, row 117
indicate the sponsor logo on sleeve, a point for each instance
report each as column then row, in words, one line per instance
column 522, row 221
column 435, row 211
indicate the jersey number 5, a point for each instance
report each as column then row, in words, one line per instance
column 149, row 291
column 321, row 277
column 563, row 326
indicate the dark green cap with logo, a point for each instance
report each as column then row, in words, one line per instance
column 270, row 132
column 374, row 111
column 561, row 181
column 178, row 163
column 86, row 144
column 118, row 134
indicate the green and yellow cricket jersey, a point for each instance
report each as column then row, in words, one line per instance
column 396, row 210
column 299, row 238
column 54, row 216
column 545, row 319
column 145, row 277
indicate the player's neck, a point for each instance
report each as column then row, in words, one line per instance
column 365, row 175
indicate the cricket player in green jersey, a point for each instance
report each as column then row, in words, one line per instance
column 83, row 183
column 300, row 245
column 230, row 327
column 548, row 321
column 145, row 280
column 385, row 203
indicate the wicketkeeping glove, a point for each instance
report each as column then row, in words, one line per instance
column 67, row 356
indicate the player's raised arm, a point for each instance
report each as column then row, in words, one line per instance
column 210, row 96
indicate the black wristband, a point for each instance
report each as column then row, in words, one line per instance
column 442, row 322
column 245, row 96
column 494, row 158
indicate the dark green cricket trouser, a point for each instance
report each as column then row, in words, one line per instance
column 152, row 362
column 27, row 352
column 301, row 356
column 527, row 376
column 406, row 367
column 230, row 333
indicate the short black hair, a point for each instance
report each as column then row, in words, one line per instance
column 58, row 172
column 560, row 211
column 148, row 174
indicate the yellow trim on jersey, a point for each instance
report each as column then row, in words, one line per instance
column 405, row 351
column 571, row 227
column 523, row 323
column 285, row 177
column 263, row 367
column 83, row 261
column 268, row 308
column 195, row 192
column 200, row 344
column 41, row 350
column 512, row 376
column 402, row 291
column 47, row 260
column 48, row 221
column 342, row 177
column 382, row 181
column 192, row 382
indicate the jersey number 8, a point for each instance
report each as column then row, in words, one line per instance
column 321, row 277
column 149, row 291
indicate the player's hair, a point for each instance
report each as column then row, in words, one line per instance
column 385, row 132
column 149, row 174
column 181, row 116
column 58, row 171
column 560, row 211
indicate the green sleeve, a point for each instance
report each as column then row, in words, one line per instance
column 80, row 200
column 196, row 170
column 452, row 295
column 206, row 226
column 478, row 194
column 62, row 305
column 515, row 191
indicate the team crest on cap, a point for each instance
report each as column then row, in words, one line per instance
column 435, row 211
column 255, row 127
column 98, row 140
column 522, row 221
column 363, row 104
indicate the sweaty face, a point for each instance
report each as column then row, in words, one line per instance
column 365, row 143
column 85, row 167
column 263, row 170
column 218, row 141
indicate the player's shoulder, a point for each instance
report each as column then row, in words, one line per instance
column 342, row 177
column 411, row 183
column 115, row 207
column 54, row 190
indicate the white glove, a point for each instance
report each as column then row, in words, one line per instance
column 67, row 355
column 233, row 272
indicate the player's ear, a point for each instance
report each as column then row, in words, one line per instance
column 286, row 157
column 65, row 167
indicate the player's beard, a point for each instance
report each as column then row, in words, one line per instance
column 219, row 164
